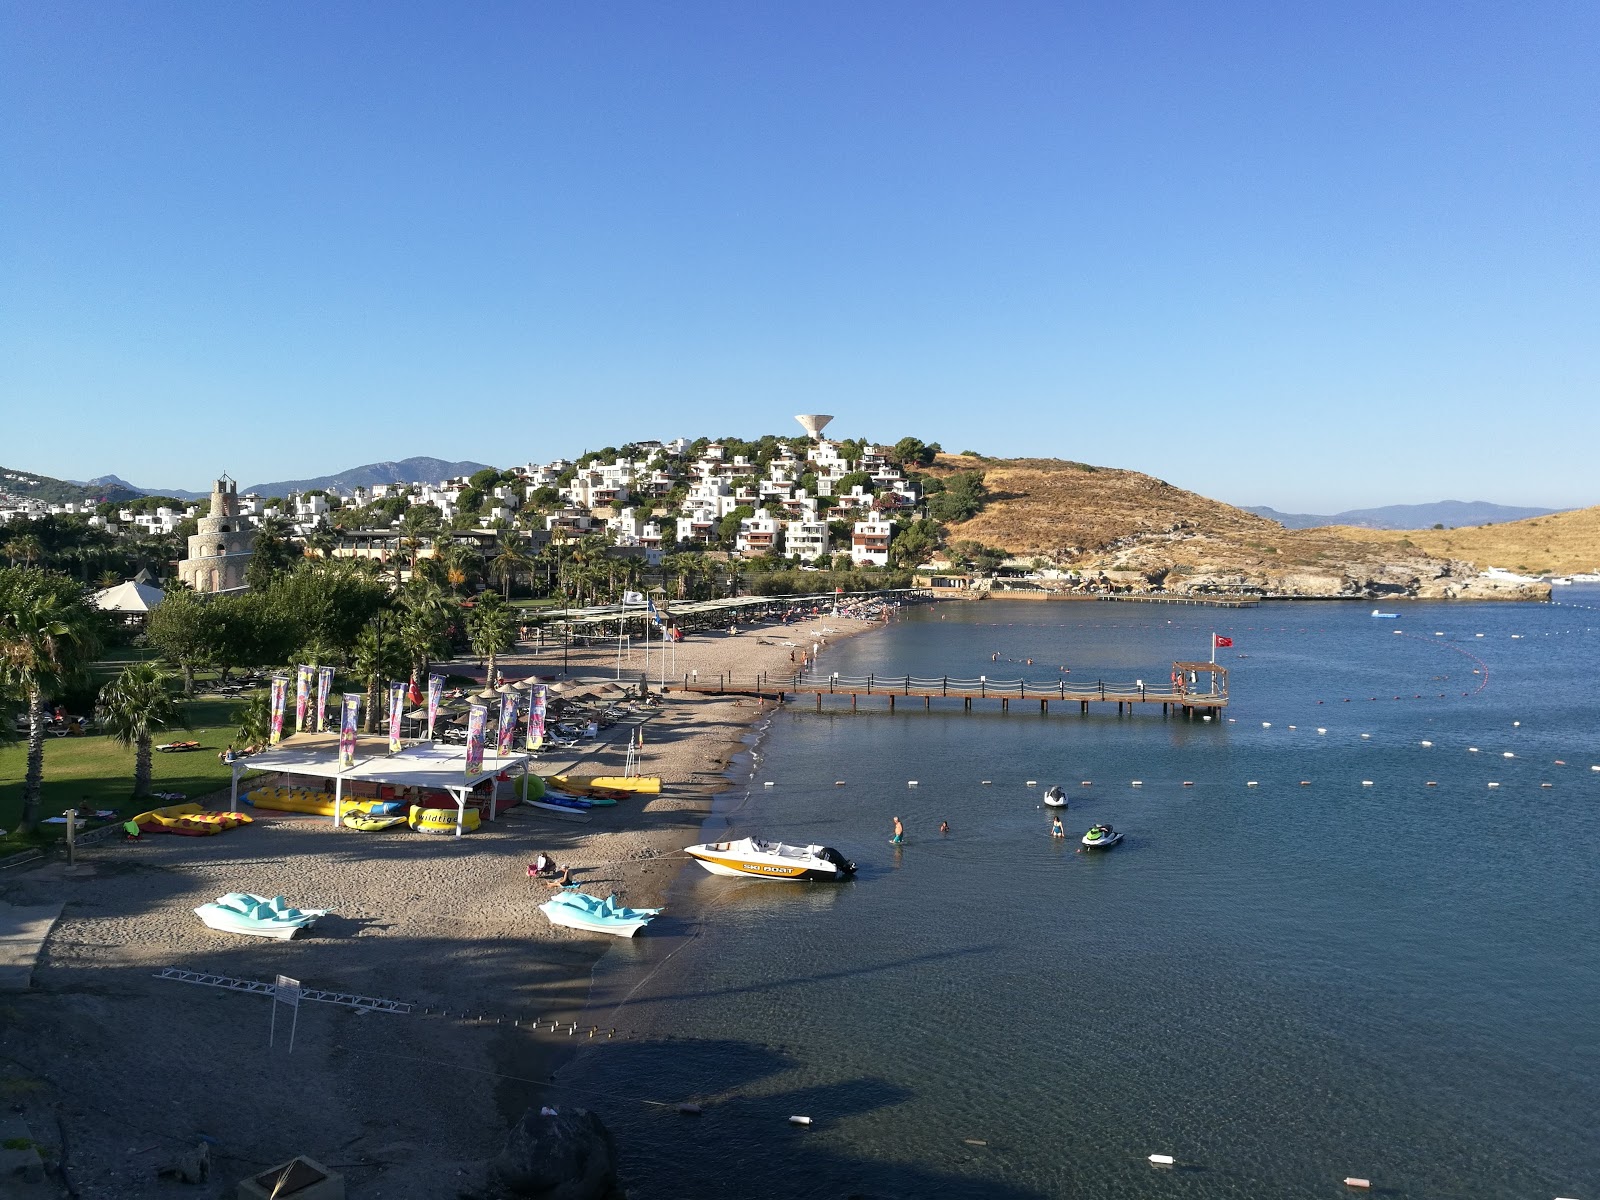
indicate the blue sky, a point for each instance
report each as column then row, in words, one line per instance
column 1312, row 256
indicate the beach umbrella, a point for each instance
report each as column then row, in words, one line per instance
column 488, row 693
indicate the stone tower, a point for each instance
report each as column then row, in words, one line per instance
column 220, row 552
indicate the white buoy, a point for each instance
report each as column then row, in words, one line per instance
column 1033, row 783
column 838, row 783
column 1294, row 727
column 1252, row 783
column 1162, row 1160
column 1431, row 783
column 1087, row 783
column 768, row 783
column 799, row 1120
column 1352, row 1181
column 1492, row 784
column 1425, row 743
column 1188, row 783
column 1320, row 729
column 1507, row 754
column 1266, row 724
column 1366, row 736
column 1138, row 783
column 1477, row 635
column 1546, row 785
column 1472, row 749
column 1438, row 635
column 1594, row 768
column 985, row 783
column 1515, row 724
column 911, row 783
column 1366, row 783
column 1205, row 718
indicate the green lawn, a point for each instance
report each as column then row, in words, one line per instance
column 95, row 772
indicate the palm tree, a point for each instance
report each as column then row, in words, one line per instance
column 425, row 614
column 510, row 563
column 492, row 626
column 255, row 720
column 379, row 655
column 420, row 521
column 48, row 636
column 132, row 708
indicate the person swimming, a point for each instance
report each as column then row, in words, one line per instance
column 944, row 828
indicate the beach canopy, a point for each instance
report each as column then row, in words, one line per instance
column 426, row 765
column 129, row 597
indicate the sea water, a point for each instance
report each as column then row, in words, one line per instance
column 1278, row 985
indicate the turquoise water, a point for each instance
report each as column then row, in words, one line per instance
column 1279, row 985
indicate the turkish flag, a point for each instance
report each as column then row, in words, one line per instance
column 1221, row 641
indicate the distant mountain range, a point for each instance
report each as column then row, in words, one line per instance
column 112, row 483
column 407, row 470
column 1452, row 514
column 32, row 485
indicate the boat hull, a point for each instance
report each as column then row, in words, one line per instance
column 279, row 933
column 750, row 868
column 572, row 919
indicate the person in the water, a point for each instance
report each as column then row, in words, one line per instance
column 944, row 828
column 1056, row 829
column 899, row 833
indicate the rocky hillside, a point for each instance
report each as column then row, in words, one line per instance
column 1559, row 544
column 1141, row 531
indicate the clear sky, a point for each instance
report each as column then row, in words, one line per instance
column 1316, row 256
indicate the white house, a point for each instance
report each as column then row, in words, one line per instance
column 869, row 542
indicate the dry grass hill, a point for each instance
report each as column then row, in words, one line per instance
column 1559, row 544
column 1139, row 530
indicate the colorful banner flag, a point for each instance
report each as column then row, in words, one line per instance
column 349, row 717
column 324, row 689
column 280, row 698
column 477, row 723
column 506, row 735
column 397, row 711
column 435, row 697
column 538, row 700
column 302, row 695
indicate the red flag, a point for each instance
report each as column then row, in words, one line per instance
column 1221, row 641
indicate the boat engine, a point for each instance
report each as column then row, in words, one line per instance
column 830, row 855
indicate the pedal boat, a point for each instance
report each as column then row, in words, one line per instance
column 591, row 914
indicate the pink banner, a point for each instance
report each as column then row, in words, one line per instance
column 538, row 701
column 506, row 735
column 397, row 711
column 324, row 688
column 302, row 696
column 435, row 695
column 280, row 698
column 477, row 723
column 349, row 718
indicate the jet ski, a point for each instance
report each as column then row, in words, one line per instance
column 1101, row 837
column 1054, row 797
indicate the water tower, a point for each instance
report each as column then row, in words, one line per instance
column 813, row 424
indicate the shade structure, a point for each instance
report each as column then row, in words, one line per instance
column 129, row 597
column 422, row 765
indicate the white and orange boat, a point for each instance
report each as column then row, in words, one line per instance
column 759, row 859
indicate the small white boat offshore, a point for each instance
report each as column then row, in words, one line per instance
column 760, row 859
column 594, row 915
column 1101, row 837
column 1383, row 616
column 1054, row 797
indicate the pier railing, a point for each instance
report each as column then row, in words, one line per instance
column 955, row 687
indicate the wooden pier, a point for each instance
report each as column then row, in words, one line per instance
column 1194, row 689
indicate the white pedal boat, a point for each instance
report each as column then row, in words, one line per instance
column 759, row 859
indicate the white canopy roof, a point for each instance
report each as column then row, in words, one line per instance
column 421, row 764
column 129, row 597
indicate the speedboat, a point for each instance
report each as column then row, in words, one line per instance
column 1101, row 837
column 761, row 859
column 1054, row 797
column 594, row 915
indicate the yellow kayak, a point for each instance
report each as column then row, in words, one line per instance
column 606, row 783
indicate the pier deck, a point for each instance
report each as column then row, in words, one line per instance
column 1184, row 693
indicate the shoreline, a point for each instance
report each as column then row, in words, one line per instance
column 405, row 1105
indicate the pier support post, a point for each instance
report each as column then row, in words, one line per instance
column 1083, row 707
column 852, row 702
column 1044, row 708
column 891, row 701
column 819, row 701
column 1005, row 705
column 966, row 702
column 927, row 703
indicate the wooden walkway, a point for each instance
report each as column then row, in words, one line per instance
column 1184, row 694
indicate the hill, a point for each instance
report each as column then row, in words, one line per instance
column 407, row 470
column 1451, row 513
column 32, row 485
column 1562, row 543
column 114, row 482
column 1142, row 531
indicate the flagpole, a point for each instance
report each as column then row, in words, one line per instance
column 1213, row 647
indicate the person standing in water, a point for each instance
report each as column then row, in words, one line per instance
column 899, row 833
column 944, row 828
column 1056, row 829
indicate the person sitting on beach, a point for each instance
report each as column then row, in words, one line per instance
column 542, row 866
column 564, row 879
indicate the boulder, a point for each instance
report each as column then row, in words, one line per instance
column 566, row 1155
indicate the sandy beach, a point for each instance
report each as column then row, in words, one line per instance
column 128, row 1072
